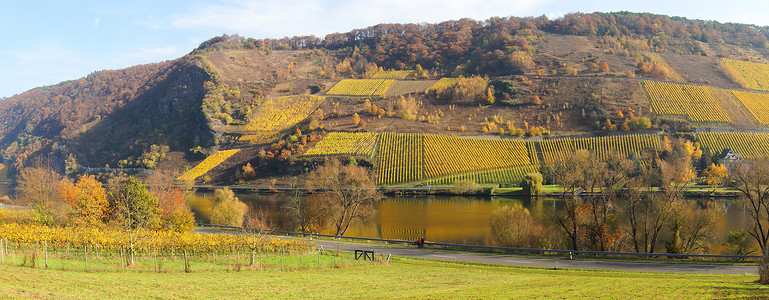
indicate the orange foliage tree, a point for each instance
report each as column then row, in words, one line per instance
column 88, row 200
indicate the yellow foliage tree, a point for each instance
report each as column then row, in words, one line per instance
column 714, row 175
column 90, row 205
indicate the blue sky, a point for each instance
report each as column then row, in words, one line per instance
column 46, row 42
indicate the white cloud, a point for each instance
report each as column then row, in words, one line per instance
column 319, row 17
column 96, row 22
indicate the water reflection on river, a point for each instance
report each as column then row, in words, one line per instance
column 451, row 219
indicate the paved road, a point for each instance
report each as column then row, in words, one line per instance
column 525, row 261
column 543, row 262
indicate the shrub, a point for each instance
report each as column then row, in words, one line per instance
column 512, row 226
column 228, row 210
column 465, row 186
column 532, row 184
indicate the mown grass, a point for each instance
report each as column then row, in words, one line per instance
column 403, row 278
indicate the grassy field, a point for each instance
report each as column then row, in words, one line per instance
column 404, row 278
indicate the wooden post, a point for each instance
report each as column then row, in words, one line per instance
column 186, row 263
column 318, row 258
column 122, row 260
column 2, row 252
column 213, row 260
column 281, row 258
column 67, row 249
column 45, row 252
column 86, row 257
column 155, row 257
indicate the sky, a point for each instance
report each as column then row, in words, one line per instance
column 43, row 42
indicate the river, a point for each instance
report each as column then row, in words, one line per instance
column 449, row 219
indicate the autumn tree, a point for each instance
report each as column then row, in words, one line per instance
column 714, row 175
column 589, row 221
column 134, row 209
column 88, row 200
column 228, row 210
column 175, row 214
column 513, row 226
column 532, row 184
column 349, row 192
column 693, row 228
column 38, row 188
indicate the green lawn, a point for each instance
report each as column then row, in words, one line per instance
column 404, row 278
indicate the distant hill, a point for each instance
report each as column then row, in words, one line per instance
column 580, row 75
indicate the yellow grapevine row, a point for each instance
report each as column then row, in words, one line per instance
column 446, row 155
column 628, row 145
column 207, row 164
column 755, row 75
column 514, row 174
column 392, row 74
column 748, row 144
column 361, row 87
column 756, row 103
column 276, row 114
column 400, row 157
column 695, row 102
column 111, row 239
column 344, row 143
column 443, row 84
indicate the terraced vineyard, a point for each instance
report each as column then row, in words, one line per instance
column 694, row 102
column 556, row 149
column 361, row 87
column 441, row 159
column 392, row 74
column 756, row 103
column 755, row 75
column 207, row 164
column 259, row 137
column 400, row 157
column 275, row 115
column 445, row 155
column 402, row 87
column 443, row 83
column 279, row 113
column 344, row 143
column 514, row 174
column 748, row 144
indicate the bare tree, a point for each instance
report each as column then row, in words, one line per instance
column 38, row 188
column 255, row 222
column 569, row 173
column 751, row 178
column 349, row 192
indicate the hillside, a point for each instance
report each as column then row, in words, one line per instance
column 526, row 81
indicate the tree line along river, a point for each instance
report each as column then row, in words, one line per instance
column 454, row 219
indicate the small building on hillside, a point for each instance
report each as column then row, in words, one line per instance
column 729, row 158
